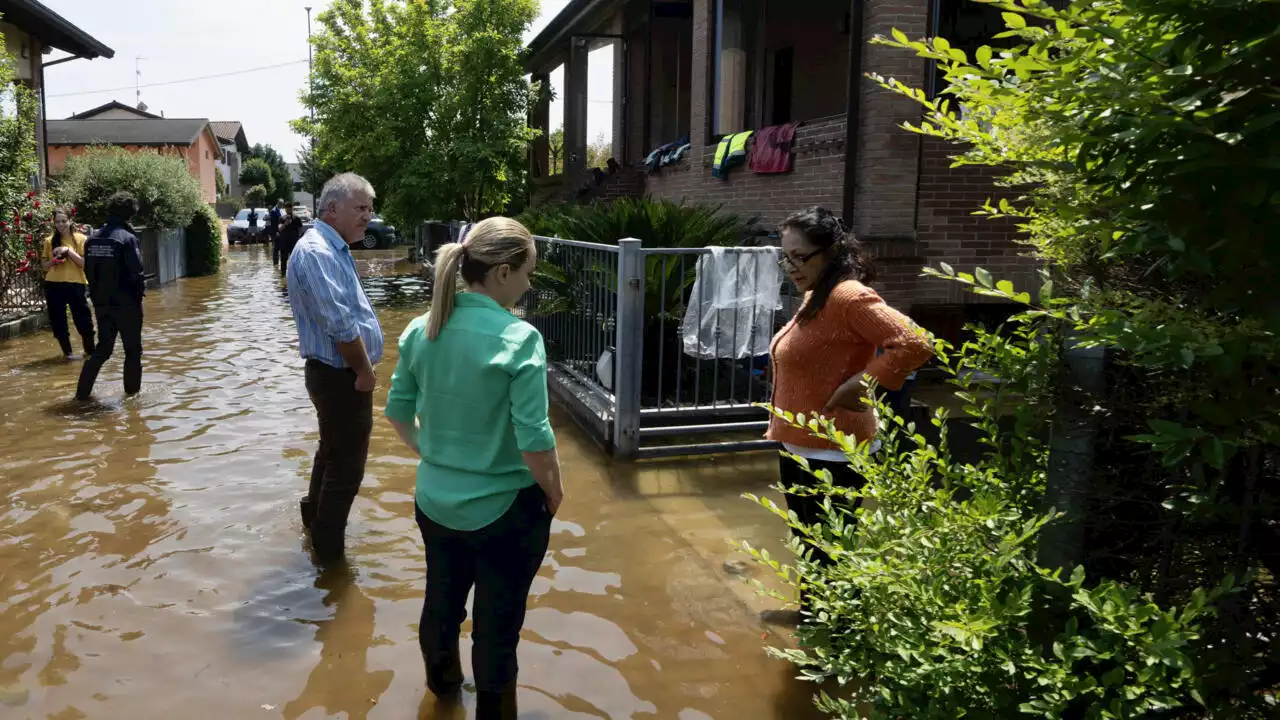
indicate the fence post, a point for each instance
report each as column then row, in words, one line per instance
column 628, row 352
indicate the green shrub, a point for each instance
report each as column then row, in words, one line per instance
column 935, row 607
column 256, row 196
column 257, row 173
column 168, row 197
column 204, row 243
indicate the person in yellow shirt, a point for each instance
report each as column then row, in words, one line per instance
column 65, row 285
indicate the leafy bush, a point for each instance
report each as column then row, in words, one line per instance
column 935, row 605
column 21, row 220
column 256, row 196
column 168, row 197
column 257, row 173
column 204, row 243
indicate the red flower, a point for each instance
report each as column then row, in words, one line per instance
column 3, row 226
column 31, row 255
column 23, row 267
column 27, row 216
column 73, row 212
column 31, row 194
column 37, row 204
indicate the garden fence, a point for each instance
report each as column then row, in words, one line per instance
column 630, row 357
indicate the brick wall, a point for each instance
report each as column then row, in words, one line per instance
column 950, row 233
column 818, row 178
column 888, row 158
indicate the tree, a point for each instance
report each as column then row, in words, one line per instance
column 281, row 187
column 167, row 195
column 220, row 184
column 555, row 143
column 314, row 173
column 599, row 152
column 1138, row 141
column 257, row 173
column 427, row 100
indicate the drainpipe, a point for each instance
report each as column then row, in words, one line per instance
column 44, row 113
column 853, row 108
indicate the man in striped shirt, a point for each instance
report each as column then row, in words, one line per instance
column 341, row 341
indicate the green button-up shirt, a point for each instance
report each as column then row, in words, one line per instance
column 479, row 393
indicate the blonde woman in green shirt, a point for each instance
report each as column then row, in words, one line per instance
column 469, row 396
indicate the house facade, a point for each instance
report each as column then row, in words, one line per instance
column 190, row 138
column 32, row 35
column 695, row 71
column 235, row 149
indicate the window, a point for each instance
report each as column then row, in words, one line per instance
column 967, row 26
column 734, row 101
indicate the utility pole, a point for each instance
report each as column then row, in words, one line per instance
column 311, row 86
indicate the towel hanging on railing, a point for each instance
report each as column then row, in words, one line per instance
column 730, row 311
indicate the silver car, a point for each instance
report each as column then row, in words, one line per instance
column 240, row 232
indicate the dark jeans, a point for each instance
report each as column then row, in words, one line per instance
column 808, row 508
column 286, row 249
column 346, row 420
column 500, row 560
column 59, row 296
column 125, row 322
column 276, row 249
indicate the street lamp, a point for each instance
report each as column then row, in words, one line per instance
column 311, row 85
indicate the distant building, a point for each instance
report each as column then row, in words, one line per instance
column 190, row 138
column 300, row 196
column 32, row 31
column 235, row 149
column 115, row 110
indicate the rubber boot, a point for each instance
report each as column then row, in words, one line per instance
column 499, row 705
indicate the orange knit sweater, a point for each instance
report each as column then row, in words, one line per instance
column 810, row 361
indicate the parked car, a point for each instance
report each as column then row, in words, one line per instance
column 239, row 232
column 379, row 235
column 302, row 212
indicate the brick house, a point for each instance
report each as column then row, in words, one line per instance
column 707, row 68
column 32, row 32
column 190, row 138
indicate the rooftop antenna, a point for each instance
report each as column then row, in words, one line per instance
column 137, row 80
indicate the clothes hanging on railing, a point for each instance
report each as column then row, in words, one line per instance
column 731, row 152
column 771, row 152
column 730, row 311
column 667, row 154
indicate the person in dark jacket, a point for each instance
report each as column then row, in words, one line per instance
column 274, row 217
column 113, row 266
column 290, row 232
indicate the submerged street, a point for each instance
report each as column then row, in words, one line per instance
column 152, row 562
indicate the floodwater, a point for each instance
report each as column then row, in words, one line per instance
column 152, row 563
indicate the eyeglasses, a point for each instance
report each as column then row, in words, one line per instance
column 787, row 262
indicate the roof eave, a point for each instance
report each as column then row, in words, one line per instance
column 56, row 31
column 541, row 50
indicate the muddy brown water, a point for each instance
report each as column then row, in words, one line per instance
column 152, row 564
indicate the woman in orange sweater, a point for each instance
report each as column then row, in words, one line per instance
column 824, row 360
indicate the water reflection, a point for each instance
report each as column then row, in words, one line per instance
column 341, row 681
column 152, row 563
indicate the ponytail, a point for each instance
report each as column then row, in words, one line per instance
column 487, row 244
column 443, row 289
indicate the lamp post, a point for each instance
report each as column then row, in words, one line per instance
column 311, row 86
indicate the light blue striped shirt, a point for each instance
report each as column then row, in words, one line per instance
column 329, row 305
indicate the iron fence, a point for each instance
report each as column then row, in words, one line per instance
column 21, row 293
column 643, row 352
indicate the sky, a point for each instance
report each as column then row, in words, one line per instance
column 185, row 39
